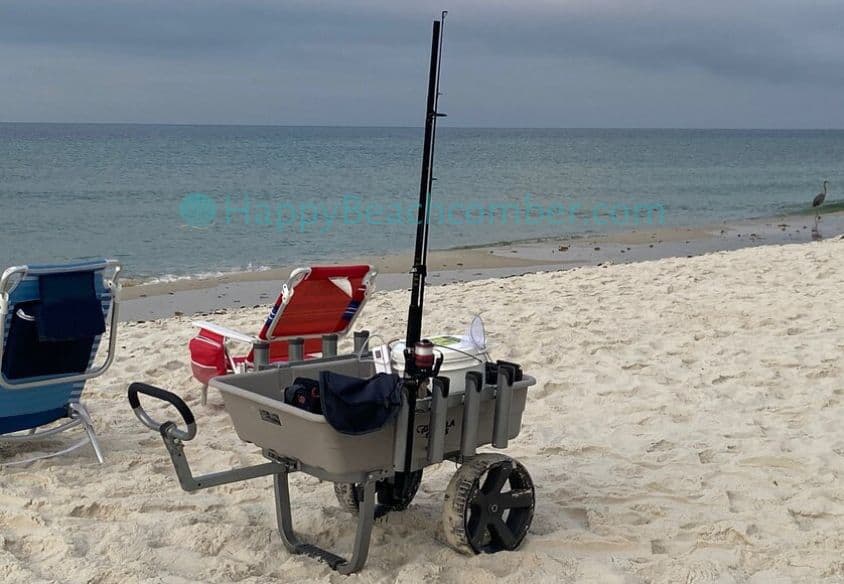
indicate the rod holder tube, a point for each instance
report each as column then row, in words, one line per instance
column 437, row 421
column 471, row 413
column 261, row 354
column 361, row 339
column 329, row 345
column 400, row 445
column 296, row 350
column 503, row 402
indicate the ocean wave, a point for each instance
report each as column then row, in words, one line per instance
column 170, row 278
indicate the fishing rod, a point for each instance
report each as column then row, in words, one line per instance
column 419, row 355
column 419, row 270
column 437, row 115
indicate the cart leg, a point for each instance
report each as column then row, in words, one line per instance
column 284, row 515
column 366, row 517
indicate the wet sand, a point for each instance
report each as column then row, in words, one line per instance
column 251, row 289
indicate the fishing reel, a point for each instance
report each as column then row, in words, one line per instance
column 422, row 363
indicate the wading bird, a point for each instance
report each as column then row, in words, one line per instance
column 817, row 202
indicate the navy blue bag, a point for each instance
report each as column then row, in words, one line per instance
column 304, row 394
column 359, row 406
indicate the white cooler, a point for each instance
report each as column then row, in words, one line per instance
column 460, row 355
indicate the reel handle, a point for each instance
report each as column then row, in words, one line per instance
column 435, row 371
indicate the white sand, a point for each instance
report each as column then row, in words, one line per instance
column 686, row 428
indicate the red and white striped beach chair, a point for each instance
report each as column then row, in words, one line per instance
column 314, row 302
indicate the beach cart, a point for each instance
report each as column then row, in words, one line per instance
column 489, row 502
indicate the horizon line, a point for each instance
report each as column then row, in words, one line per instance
column 400, row 126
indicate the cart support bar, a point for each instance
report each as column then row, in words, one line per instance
column 191, row 483
column 173, row 438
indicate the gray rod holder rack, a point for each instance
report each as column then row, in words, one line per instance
column 471, row 413
column 296, row 350
column 400, row 439
column 503, row 405
column 361, row 339
column 329, row 345
column 261, row 354
column 437, row 421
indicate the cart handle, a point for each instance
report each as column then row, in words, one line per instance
column 167, row 429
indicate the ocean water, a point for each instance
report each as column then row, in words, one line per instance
column 186, row 200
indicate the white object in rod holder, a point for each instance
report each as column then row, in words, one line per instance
column 381, row 358
column 476, row 333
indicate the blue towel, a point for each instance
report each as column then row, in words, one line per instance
column 69, row 308
column 25, row 355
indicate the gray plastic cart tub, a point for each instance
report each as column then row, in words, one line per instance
column 255, row 402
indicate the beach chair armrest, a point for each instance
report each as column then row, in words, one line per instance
column 226, row 332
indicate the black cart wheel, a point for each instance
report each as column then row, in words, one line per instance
column 350, row 495
column 489, row 505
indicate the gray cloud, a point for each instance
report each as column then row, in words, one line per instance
column 579, row 63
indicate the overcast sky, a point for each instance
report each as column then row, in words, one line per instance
column 537, row 63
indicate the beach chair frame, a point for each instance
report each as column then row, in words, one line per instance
column 77, row 412
column 288, row 290
column 260, row 343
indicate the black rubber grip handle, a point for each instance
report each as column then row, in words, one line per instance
column 163, row 395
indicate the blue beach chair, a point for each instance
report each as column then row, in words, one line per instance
column 52, row 318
